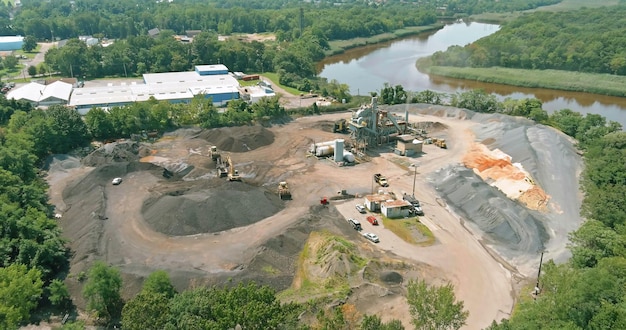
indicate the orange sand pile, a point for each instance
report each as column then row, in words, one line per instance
column 496, row 168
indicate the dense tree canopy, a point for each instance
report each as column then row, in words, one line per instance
column 578, row 40
column 20, row 289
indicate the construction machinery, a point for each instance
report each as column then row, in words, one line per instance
column 341, row 126
column 233, row 174
column 215, row 154
column 441, row 143
column 381, row 180
column 220, row 166
column 283, row 190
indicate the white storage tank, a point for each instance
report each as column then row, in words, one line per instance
column 324, row 151
column 348, row 157
column 339, row 150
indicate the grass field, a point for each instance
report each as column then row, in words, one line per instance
column 273, row 77
column 339, row 46
column 604, row 84
column 564, row 5
column 404, row 229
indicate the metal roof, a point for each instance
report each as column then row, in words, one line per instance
column 396, row 203
column 58, row 89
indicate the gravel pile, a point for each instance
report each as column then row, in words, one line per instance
column 238, row 139
column 123, row 151
column 194, row 210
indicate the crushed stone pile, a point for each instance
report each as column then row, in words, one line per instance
column 516, row 230
column 195, row 210
column 61, row 163
column 121, row 151
column 238, row 139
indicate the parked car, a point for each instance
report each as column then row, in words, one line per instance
column 360, row 208
column 372, row 219
column 371, row 237
column 116, row 181
column 355, row 224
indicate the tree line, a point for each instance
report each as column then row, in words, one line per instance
column 159, row 306
column 580, row 40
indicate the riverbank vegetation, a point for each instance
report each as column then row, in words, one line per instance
column 575, row 41
column 339, row 46
column 597, row 83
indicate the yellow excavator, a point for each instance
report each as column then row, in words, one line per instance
column 233, row 174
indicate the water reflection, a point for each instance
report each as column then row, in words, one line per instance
column 368, row 68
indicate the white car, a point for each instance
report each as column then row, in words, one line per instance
column 360, row 208
column 116, row 181
column 371, row 237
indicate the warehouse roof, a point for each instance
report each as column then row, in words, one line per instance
column 36, row 92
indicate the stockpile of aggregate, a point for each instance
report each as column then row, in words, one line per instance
column 238, row 139
column 122, row 151
column 179, row 211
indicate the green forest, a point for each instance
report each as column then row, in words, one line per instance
column 585, row 40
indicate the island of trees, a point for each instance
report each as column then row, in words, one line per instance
column 571, row 50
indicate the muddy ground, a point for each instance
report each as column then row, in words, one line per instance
column 205, row 230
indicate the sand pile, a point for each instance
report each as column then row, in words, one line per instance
column 497, row 168
column 194, row 209
column 238, row 139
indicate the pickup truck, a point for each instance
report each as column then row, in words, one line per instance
column 381, row 180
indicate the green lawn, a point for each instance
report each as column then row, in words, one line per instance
column 273, row 77
column 404, row 228
column 604, row 84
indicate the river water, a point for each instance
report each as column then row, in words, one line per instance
column 367, row 69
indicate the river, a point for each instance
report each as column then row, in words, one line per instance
column 367, row 69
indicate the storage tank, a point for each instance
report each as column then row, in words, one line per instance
column 314, row 146
column 339, row 150
column 348, row 157
column 324, row 151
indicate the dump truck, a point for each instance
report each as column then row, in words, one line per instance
column 341, row 126
column 220, row 166
column 381, row 180
column 283, row 191
column 441, row 143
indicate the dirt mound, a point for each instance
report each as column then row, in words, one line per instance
column 238, row 139
column 324, row 125
column 189, row 208
column 122, row 151
column 430, row 126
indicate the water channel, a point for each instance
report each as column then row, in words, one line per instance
column 367, row 69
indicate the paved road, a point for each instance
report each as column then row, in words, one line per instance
column 39, row 58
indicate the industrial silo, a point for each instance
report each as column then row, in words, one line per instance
column 339, row 150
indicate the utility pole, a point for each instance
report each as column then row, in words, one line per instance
column 537, row 289
column 414, row 177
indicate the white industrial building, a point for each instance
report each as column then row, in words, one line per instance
column 395, row 209
column 212, row 81
column 11, row 43
column 38, row 94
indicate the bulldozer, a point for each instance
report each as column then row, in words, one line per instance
column 283, row 190
column 441, row 143
column 341, row 126
column 233, row 174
